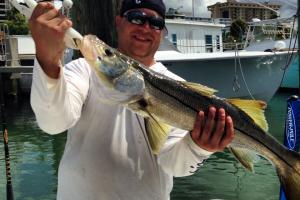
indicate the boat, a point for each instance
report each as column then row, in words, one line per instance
column 235, row 74
column 242, row 74
column 277, row 34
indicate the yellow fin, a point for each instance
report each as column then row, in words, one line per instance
column 157, row 133
column 245, row 157
column 255, row 109
column 202, row 89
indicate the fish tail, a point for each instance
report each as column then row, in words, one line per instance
column 289, row 175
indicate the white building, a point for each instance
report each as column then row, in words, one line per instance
column 195, row 36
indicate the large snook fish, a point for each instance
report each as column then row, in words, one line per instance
column 166, row 101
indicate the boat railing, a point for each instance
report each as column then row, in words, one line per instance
column 275, row 29
column 233, row 46
column 197, row 46
column 194, row 48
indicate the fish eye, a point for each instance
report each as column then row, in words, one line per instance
column 108, row 52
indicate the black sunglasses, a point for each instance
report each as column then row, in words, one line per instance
column 140, row 18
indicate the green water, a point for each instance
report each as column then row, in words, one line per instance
column 35, row 157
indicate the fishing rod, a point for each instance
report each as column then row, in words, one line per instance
column 9, row 187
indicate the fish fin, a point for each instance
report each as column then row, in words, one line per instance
column 157, row 133
column 289, row 176
column 202, row 89
column 245, row 157
column 254, row 108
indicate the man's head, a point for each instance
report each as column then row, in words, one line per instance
column 140, row 27
column 156, row 5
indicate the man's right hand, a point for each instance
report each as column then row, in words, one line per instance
column 48, row 27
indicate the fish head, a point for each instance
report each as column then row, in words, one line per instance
column 112, row 67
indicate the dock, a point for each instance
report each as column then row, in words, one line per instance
column 16, row 69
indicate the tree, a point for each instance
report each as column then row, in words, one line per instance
column 273, row 15
column 97, row 18
column 17, row 24
column 237, row 29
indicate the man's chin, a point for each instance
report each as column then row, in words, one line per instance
column 138, row 54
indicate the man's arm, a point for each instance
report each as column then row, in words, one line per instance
column 57, row 103
column 48, row 28
column 57, row 93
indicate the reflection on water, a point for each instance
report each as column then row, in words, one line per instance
column 35, row 157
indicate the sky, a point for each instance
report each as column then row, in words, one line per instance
column 200, row 8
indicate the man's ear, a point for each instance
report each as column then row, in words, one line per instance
column 118, row 21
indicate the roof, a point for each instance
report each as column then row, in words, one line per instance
column 192, row 22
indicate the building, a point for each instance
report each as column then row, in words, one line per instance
column 190, row 36
column 4, row 7
column 246, row 11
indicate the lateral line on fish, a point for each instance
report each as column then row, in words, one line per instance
column 173, row 96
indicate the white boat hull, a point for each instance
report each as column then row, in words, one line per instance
column 262, row 72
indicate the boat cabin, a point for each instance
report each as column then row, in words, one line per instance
column 192, row 36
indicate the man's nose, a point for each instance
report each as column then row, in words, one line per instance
column 146, row 25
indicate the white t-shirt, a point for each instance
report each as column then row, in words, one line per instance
column 107, row 154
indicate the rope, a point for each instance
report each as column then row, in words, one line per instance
column 237, row 57
column 236, row 86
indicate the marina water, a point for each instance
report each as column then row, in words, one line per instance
column 35, row 157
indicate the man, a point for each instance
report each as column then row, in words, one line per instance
column 107, row 154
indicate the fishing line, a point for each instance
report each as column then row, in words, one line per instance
column 9, row 188
column 290, row 44
column 290, row 55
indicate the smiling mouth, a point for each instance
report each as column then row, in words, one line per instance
column 141, row 38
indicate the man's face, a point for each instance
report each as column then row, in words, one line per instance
column 139, row 41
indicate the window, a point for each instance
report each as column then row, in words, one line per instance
column 218, row 42
column 208, row 43
column 174, row 39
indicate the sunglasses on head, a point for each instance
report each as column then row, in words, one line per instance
column 140, row 18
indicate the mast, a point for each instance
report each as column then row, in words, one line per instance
column 193, row 8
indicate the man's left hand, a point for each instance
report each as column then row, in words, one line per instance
column 212, row 135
